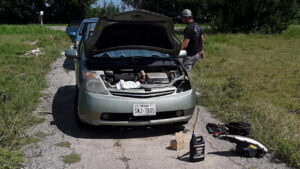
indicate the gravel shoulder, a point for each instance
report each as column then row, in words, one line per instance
column 116, row 147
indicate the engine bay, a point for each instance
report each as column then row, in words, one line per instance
column 141, row 76
column 150, row 73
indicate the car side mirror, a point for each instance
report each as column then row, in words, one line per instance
column 71, row 53
column 73, row 34
column 182, row 54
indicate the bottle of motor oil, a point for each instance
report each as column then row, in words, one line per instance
column 197, row 148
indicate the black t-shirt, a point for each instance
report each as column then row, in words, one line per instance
column 193, row 32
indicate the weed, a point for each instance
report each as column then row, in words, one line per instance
column 71, row 158
column 33, row 140
column 117, row 143
column 40, row 135
column 64, row 144
column 124, row 159
column 252, row 167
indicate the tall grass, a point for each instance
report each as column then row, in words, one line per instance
column 256, row 77
column 21, row 80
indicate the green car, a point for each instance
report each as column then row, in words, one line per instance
column 128, row 73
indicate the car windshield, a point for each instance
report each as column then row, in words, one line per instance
column 132, row 53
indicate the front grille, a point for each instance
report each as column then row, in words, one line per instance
column 142, row 95
column 130, row 117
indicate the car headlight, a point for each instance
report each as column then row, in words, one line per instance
column 93, row 83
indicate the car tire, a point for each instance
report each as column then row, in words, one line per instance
column 76, row 116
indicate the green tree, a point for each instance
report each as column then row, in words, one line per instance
column 268, row 16
column 20, row 11
column 67, row 10
column 55, row 11
column 171, row 8
column 102, row 10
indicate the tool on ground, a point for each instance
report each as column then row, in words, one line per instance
column 246, row 146
column 216, row 129
column 233, row 128
column 197, row 145
column 178, row 142
column 239, row 128
column 235, row 132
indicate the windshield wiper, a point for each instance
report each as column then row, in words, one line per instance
column 162, row 58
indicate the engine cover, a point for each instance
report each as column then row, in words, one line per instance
column 157, row 78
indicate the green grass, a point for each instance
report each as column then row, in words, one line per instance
column 28, row 29
column 21, row 80
column 55, row 24
column 10, row 159
column 71, row 158
column 258, row 77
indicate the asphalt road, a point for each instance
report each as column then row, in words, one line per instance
column 115, row 147
column 59, row 28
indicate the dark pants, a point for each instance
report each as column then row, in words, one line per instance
column 189, row 61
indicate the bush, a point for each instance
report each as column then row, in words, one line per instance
column 268, row 16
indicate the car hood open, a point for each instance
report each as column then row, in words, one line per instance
column 138, row 29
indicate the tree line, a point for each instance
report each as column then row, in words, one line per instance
column 267, row 16
column 55, row 11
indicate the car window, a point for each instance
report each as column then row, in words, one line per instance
column 83, row 28
column 132, row 53
column 92, row 28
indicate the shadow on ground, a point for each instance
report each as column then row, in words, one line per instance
column 63, row 115
column 229, row 153
column 69, row 64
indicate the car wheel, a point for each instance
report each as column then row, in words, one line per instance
column 77, row 119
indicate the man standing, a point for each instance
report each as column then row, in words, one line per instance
column 193, row 40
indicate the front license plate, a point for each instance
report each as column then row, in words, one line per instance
column 144, row 110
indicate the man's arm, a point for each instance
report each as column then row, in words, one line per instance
column 201, row 47
column 185, row 43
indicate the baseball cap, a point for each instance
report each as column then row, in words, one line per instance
column 187, row 13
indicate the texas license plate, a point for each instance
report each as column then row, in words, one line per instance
column 144, row 110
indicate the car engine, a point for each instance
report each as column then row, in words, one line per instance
column 150, row 74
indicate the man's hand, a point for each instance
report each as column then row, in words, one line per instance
column 201, row 53
column 185, row 43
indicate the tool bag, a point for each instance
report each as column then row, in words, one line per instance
column 234, row 128
column 216, row 129
column 238, row 128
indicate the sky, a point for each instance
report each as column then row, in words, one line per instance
column 116, row 2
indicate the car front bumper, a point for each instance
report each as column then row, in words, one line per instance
column 93, row 105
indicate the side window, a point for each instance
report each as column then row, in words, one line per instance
column 83, row 29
